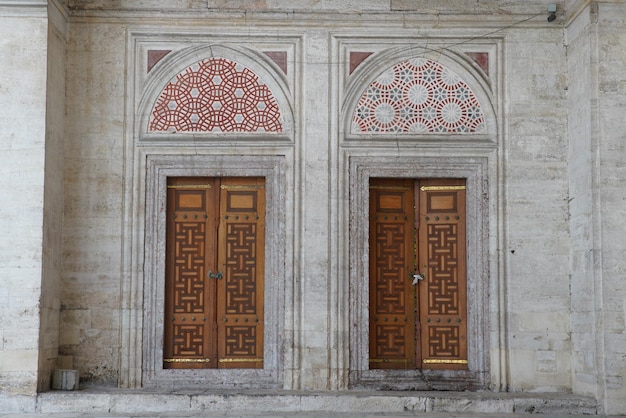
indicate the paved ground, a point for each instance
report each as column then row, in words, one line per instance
column 101, row 402
column 235, row 414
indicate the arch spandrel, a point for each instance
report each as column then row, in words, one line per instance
column 418, row 96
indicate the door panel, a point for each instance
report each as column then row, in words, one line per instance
column 188, row 319
column 214, row 273
column 417, row 227
column 241, row 310
column 442, row 305
column 392, row 312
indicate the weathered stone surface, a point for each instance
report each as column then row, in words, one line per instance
column 65, row 379
column 12, row 403
column 22, row 145
column 81, row 241
column 284, row 402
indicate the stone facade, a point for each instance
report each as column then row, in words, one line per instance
column 86, row 155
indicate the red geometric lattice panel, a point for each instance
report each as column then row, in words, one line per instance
column 418, row 96
column 216, row 95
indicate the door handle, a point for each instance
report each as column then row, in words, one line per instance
column 417, row 278
column 217, row 275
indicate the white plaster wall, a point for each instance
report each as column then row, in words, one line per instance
column 23, row 39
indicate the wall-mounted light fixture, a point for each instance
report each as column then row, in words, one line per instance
column 552, row 12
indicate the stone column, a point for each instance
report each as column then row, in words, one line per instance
column 32, row 195
column 313, row 257
column 53, row 207
column 597, row 91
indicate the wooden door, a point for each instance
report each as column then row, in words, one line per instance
column 442, row 295
column 418, row 296
column 392, row 298
column 214, row 273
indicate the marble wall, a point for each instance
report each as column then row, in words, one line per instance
column 551, row 150
column 529, row 253
column 23, row 87
column 53, row 208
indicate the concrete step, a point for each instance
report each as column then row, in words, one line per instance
column 215, row 402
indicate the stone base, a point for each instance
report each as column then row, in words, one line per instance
column 65, row 379
column 126, row 401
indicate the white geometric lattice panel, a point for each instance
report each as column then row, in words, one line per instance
column 216, row 95
column 418, row 96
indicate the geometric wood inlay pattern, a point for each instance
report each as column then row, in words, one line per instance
column 216, row 95
column 240, row 304
column 187, row 326
column 241, row 341
column 189, row 267
column 390, row 266
column 241, row 268
column 390, row 341
column 417, row 321
column 214, row 273
column 392, row 316
column 188, row 340
column 443, row 284
column 443, row 341
column 443, row 292
column 418, row 96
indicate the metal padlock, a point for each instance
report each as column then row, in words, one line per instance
column 417, row 278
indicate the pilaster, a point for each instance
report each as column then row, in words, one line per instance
column 23, row 83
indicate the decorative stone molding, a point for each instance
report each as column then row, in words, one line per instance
column 26, row 8
column 151, row 156
column 402, row 152
column 158, row 168
column 24, row 3
column 474, row 170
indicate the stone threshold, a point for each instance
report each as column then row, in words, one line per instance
column 193, row 401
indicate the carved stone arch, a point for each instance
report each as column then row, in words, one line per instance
column 237, row 92
column 406, row 154
column 404, row 99
column 154, row 156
